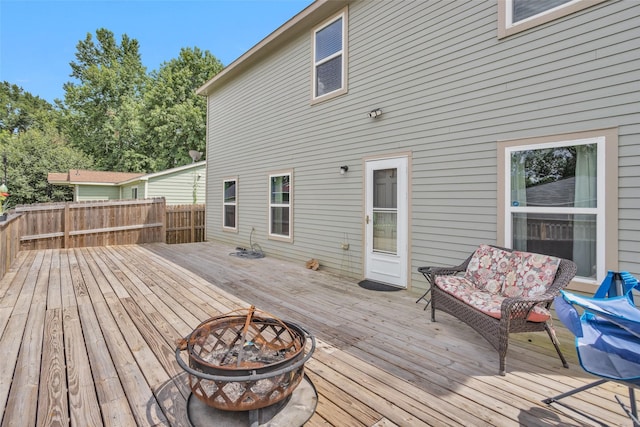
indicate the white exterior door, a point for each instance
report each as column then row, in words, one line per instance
column 386, row 221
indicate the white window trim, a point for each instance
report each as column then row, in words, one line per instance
column 225, row 203
column 607, row 203
column 598, row 210
column 509, row 12
column 289, row 205
column 507, row 27
column 344, row 52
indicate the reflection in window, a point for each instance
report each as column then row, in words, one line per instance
column 229, row 203
column 523, row 9
column 554, row 201
column 385, row 211
column 279, row 205
column 328, row 60
column 520, row 15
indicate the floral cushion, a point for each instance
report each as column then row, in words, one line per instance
column 489, row 303
column 488, row 268
column 530, row 274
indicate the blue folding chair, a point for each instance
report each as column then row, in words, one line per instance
column 607, row 335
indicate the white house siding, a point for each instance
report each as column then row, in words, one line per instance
column 449, row 90
column 177, row 187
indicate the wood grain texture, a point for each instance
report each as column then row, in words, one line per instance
column 89, row 339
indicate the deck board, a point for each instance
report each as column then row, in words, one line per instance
column 88, row 336
column 52, row 397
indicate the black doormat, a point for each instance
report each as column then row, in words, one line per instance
column 377, row 286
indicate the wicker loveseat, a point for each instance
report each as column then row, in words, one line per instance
column 498, row 291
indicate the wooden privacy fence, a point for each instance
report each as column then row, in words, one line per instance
column 94, row 223
column 9, row 243
column 97, row 223
column 185, row 223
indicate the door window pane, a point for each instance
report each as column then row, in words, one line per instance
column 385, row 232
column 385, row 185
column 385, row 210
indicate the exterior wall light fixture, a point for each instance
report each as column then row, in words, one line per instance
column 343, row 169
column 375, row 113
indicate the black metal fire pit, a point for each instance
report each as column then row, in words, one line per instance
column 245, row 360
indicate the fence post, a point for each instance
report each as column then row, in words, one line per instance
column 193, row 223
column 67, row 220
column 163, row 219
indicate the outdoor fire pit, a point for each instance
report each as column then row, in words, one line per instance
column 245, row 360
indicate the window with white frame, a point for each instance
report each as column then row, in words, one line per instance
column 134, row 192
column 230, row 204
column 329, row 57
column 519, row 15
column 555, row 200
column 527, row 9
column 280, row 187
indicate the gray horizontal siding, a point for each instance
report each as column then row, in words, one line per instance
column 449, row 89
column 629, row 197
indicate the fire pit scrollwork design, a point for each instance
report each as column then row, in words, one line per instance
column 245, row 360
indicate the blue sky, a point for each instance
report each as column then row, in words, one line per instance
column 38, row 38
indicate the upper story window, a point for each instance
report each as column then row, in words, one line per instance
column 559, row 200
column 329, row 57
column 229, row 204
column 280, row 216
column 518, row 15
column 526, row 9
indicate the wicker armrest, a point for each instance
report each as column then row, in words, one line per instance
column 432, row 270
column 520, row 307
column 441, row 271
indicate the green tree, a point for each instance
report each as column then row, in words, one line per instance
column 34, row 146
column 549, row 165
column 22, row 111
column 102, row 108
column 174, row 116
column 31, row 155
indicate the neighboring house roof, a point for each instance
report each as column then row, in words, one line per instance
column 307, row 18
column 79, row 176
column 556, row 193
column 55, row 177
column 164, row 172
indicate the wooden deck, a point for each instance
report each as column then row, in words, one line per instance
column 88, row 339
